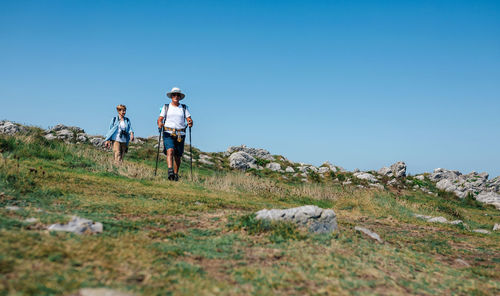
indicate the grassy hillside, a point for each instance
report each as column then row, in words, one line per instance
column 200, row 237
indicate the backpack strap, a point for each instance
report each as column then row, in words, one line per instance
column 166, row 113
column 184, row 109
column 114, row 120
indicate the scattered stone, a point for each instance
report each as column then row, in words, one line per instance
column 483, row 231
column 323, row 170
column 78, row 225
column 496, row 227
column 330, row 166
column 420, row 177
column 273, row 166
column 423, row 216
column 456, row 222
column 205, row 159
column 438, row 220
column 366, row 176
column 462, row 262
column 369, row 233
column 289, row 169
column 31, row 220
column 318, row 220
column 12, row 208
column 378, row 186
column 101, row 292
column 392, row 182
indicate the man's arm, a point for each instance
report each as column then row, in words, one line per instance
column 160, row 122
column 190, row 121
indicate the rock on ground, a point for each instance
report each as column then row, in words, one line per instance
column 273, row 166
column 491, row 198
column 483, row 231
column 101, row 292
column 317, row 220
column 369, row 233
column 78, row 225
column 242, row 161
column 365, row 176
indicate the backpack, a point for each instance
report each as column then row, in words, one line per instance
column 114, row 119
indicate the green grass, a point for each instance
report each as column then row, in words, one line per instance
column 201, row 237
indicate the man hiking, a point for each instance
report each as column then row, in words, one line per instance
column 172, row 122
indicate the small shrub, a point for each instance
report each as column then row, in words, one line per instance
column 279, row 231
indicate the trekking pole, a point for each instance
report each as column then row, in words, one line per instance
column 191, row 153
column 158, row 153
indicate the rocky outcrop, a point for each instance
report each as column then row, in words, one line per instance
column 316, row 219
column 397, row 170
column 11, row 128
column 254, row 152
column 242, row 161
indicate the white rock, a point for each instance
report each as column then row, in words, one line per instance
column 241, row 160
column 369, row 233
column 31, row 220
column 491, row 198
column 420, row 177
column 12, row 208
column 101, row 292
column 78, row 225
column 273, row 166
column 289, row 169
column 483, row 231
column 366, row 176
column 323, row 170
column 378, row 186
column 392, row 182
column 446, row 185
column 317, row 219
column 438, row 220
column 496, row 227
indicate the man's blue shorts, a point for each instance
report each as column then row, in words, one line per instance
column 170, row 142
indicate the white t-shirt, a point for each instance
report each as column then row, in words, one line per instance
column 175, row 117
column 116, row 136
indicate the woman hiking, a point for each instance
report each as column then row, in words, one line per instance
column 120, row 133
column 172, row 122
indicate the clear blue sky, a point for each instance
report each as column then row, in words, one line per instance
column 359, row 83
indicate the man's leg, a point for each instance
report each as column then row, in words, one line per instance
column 170, row 162
column 177, row 164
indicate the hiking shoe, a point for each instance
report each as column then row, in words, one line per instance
column 171, row 174
column 176, row 177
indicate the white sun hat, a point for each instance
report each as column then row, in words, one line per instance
column 175, row 90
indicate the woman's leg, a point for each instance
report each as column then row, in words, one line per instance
column 116, row 152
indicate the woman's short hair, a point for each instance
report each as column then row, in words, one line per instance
column 120, row 107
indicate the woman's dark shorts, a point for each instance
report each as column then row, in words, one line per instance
column 170, row 142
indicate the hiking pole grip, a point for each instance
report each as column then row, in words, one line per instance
column 158, row 152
